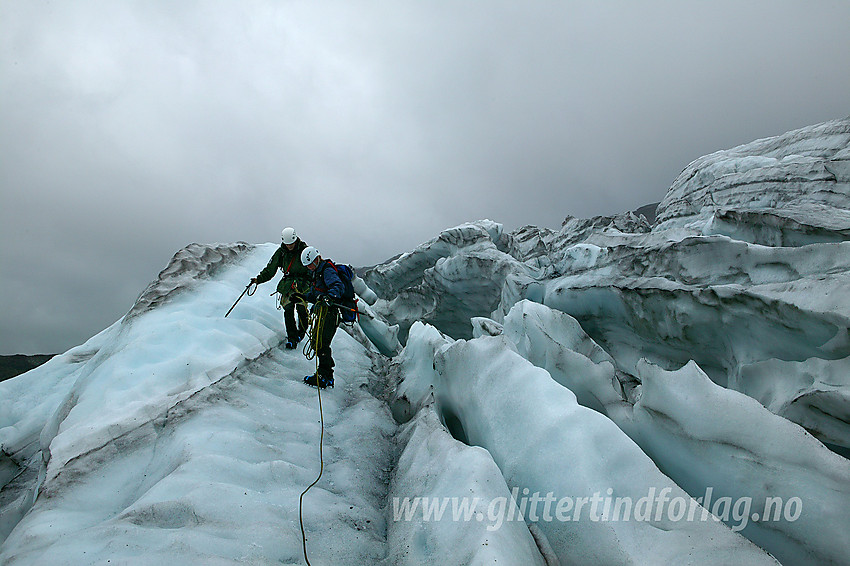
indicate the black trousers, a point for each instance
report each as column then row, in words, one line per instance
column 323, row 349
column 294, row 332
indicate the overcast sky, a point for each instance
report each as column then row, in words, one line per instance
column 129, row 129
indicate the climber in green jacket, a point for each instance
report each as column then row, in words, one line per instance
column 292, row 287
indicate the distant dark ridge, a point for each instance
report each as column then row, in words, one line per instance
column 649, row 211
column 10, row 366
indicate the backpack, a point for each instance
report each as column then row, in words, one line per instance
column 349, row 300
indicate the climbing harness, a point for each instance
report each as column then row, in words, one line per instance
column 250, row 293
column 311, row 347
column 353, row 313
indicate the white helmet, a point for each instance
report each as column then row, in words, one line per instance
column 309, row 255
column 288, row 236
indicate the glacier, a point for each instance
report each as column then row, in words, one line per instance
column 609, row 392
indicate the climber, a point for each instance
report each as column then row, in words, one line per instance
column 325, row 294
column 292, row 286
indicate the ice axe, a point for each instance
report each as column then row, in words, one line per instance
column 243, row 294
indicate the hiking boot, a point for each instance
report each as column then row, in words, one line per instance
column 292, row 344
column 323, row 381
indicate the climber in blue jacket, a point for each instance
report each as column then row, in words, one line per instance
column 325, row 294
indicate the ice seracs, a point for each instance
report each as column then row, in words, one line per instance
column 548, row 446
column 786, row 190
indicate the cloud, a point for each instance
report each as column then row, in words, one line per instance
column 130, row 129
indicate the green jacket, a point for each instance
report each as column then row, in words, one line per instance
column 296, row 277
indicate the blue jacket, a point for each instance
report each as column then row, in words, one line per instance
column 325, row 282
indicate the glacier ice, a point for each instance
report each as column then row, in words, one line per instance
column 434, row 465
column 692, row 373
column 484, row 390
column 786, row 190
column 200, row 438
column 701, row 435
column 814, row 393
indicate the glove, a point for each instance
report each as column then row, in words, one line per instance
column 325, row 300
column 254, row 281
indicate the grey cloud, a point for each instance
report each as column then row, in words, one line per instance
column 128, row 130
